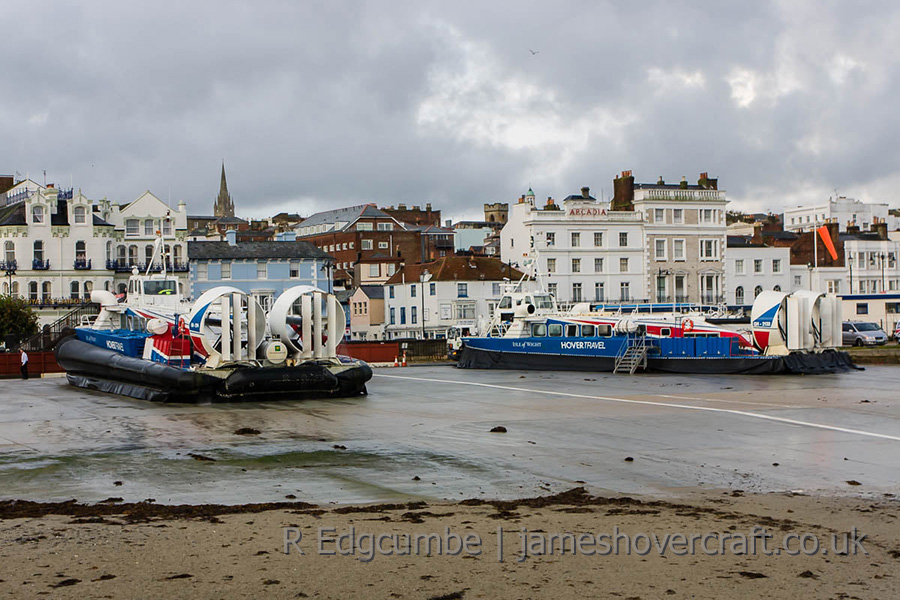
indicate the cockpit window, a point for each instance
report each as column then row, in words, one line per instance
column 159, row 288
column 543, row 302
column 506, row 302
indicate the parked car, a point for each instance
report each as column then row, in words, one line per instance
column 897, row 332
column 863, row 334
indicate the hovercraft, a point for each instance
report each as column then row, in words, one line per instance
column 225, row 348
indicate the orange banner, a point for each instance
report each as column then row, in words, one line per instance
column 826, row 238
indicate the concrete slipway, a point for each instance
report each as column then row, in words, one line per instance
column 433, row 423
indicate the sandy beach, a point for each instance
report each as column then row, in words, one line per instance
column 114, row 550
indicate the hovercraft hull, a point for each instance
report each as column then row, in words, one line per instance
column 91, row 367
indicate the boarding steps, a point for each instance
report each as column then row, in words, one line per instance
column 633, row 358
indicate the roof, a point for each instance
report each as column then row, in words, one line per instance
column 230, row 220
column 780, row 235
column 431, row 229
column 202, row 217
column 867, row 236
column 218, row 250
column 346, row 215
column 343, row 295
column 98, row 222
column 670, row 186
column 62, row 213
column 13, row 215
column 458, row 268
column 374, row 292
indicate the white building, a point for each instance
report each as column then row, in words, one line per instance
column 137, row 225
column 872, row 261
column 843, row 211
column 752, row 268
column 686, row 237
column 54, row 247
column 58, row 245
column 584, row 251
column 425, row 300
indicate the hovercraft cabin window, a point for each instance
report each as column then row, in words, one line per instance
column 571, row 330
column 555, row 329
column 587, row 331
column 538, row 329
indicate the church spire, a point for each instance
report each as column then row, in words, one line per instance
column 224, row 206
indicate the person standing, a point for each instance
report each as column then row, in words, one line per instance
column 24, row 364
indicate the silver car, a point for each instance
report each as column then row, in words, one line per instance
column 863, row 334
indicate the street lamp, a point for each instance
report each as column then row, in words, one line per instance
column 424, row 278
column 850, row 258
column 9, row 269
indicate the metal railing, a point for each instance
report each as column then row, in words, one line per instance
column 82, row 264
column 62, row 327
column 9, row 265
column 40, row 265
column 124, row 266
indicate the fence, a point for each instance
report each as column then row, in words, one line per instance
column 50, row 334
column 38, row 362
column 423, row 350
column 380, row 352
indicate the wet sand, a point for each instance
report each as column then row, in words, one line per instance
column 192, row 501
column 111, row 551
column 754, row 433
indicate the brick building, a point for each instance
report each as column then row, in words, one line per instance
column 365, row 232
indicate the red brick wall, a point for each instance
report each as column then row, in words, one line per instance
column 38, row 362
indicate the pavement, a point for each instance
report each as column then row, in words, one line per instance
column 425, row 432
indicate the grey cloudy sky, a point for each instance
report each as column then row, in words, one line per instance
column 316, row 105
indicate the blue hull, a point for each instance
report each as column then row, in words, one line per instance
column 668, row 355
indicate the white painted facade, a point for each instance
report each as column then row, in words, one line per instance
column 873, row 264
column 751, row 270
column 842, row 210
column 584, row 252
column 832, row 280
column 686, row 241
column 57, row 258
column 136, row 225
column 464, row 304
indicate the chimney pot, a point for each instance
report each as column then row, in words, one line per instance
column 585, row 192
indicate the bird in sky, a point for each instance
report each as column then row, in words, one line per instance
column 533, row 52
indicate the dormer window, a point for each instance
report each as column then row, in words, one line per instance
column 37, row 214
column 80, row 215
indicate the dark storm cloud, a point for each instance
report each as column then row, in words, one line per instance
column 317, row 105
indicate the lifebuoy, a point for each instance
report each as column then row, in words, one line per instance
column 688, row 325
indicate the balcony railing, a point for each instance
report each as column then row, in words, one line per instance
column 9, row 265
column 711, row 299
column 40, row 265
column 124, row 266
column 82, row 264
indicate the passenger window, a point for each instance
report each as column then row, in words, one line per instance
column 538, row 329
column 587, row 331
column 604, row 330
column 555, row 330
column 665, row 332
column 571, row 330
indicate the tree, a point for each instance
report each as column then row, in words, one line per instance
column 17, row 321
